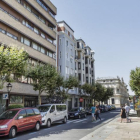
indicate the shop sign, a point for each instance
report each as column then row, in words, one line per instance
column 5, row 96
column 81, row 100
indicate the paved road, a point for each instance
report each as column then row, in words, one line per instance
column 72, row 130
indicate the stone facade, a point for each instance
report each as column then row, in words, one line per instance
column 121, row 95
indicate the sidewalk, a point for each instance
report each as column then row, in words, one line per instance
column 115, row 130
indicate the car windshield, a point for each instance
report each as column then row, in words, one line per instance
column 8, row 114
column 74, row 109
column 132, row 107
column 44, row 108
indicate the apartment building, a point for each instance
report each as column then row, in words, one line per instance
column 71, row 61
column 29, row 24
column 121, row 95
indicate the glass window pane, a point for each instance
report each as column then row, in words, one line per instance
column 42, row 50
column 30, row 112
column 16, row 99
column 26, row 42
column 35, row 46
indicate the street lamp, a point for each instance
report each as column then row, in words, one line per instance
column 9, row 87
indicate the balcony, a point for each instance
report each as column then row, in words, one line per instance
column 51, row 6
column 26, row 31
column 32, row 52
column 18, row 7
column 42, row 11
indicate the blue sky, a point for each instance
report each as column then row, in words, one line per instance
column 111, row 28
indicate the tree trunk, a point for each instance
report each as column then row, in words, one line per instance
column 39, row 99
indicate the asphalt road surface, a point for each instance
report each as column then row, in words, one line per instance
column 74, row 129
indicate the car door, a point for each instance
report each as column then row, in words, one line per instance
column 21, row 120
column 53, row 113
column 30, row 118
column 58, row 112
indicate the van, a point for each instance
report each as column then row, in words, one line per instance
column 52, row 113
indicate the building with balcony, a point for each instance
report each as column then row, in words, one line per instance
column 29, row 24
column 121, row 95
column 71, row 61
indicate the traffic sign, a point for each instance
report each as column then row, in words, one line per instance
column 5, row 96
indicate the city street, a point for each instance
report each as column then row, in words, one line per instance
column 72, row 130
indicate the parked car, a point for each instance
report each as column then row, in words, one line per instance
column 109, row 107
column 52, row 113
column 132, row 111
column 77, row 112
column 113, row 107
column 88, row 111
column 18, row 120
column 102, row 108
column 106, row 108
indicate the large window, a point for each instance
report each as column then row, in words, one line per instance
column 25, row 41
column 16, row 99
column 79, row 65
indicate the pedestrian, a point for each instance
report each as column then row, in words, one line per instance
column 127, row 109
column 93, row 112
column 123, row 114
column 97, row 112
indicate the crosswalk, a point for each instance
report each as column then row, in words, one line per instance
column 83, row 121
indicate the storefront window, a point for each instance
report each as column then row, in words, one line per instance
column 16, row 99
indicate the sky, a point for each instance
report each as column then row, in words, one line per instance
column 111, row 28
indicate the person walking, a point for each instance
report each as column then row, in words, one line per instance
column 97, row 112
column 93, row 112
column 127, row 109
column 123, row 114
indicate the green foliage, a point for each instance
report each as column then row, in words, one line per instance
column 44, row 78
column 14, row 106
column 135, row 81
column 13, row 60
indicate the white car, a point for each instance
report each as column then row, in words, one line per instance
column 132, row 111
column 52, row 113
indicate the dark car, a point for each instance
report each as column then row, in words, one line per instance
column 88, row 111
column 77, row 112
column 102, row 108
column 18, row 120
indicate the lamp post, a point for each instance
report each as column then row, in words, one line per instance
column 9, row 87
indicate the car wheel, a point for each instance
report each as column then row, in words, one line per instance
column 37, row 126
column 65, row 120
column 12, row 132
column 79, row 116
column 85, row 115
column 48, row 123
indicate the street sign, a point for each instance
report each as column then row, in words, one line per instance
column 81, row 99
column 5, row 96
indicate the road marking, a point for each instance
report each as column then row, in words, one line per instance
column 98, row 120
column 72, row 121
column 13, row 139
column 80, row 121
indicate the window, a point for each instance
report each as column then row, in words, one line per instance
column 43, row 35
column 60, row 68
column 25, row 41
column 113, row 101
column 59, row 55
column 3, row 31
column 42, row 19
column 50, row 54
column 67, row 43
column 50, row 40
column 36, row 111
column 79, row 76
column 42, row 50
column 79, row 65
column 83, row 66
column 51, row 14
column 67, row 70
column 35, row 46
column 36, row 30
column 82, row 46
column 60, row 41
column 86, row 70
column 66, row 31
column 52, row 108
column 22, row 113
column 77, row 44
column 10, row 35
column 16, row 99
column 117, row 90
column 30, row 112
column 86, row 79
column 83, row 77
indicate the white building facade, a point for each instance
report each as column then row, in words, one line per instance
column 121, row 95
column 71, row 61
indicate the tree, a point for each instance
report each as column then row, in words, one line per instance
column 44, row 78
column 107, row 94
column 135, row 81
column 13, row 60
column 60, row 90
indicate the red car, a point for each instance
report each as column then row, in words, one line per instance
column 17, row 120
